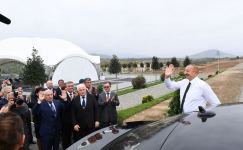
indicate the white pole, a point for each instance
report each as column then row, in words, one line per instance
column 218, row 60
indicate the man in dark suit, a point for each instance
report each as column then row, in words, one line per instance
column 84, row 113
column 59, row 89
column 67, row 115
column 91, row 89
column 108, row 100
column 49, row 112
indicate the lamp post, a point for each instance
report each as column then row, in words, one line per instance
column 218, row 53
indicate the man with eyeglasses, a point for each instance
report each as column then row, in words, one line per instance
column 108, row 100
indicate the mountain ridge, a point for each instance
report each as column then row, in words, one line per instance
column 211, row 53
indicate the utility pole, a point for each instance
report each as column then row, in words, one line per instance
column 218, row 53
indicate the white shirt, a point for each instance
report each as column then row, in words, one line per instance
column 81, row 100
column 108, row 95
column 199, row 94
column 52, row 105
column 71, row 95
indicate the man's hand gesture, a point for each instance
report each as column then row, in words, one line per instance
column 64, row 95
column 169, row 71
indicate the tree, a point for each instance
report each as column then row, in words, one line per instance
column 34, row 71
column 141, row 64
column 155, row 63
column 168, row 63
column 124, row 66
column 147, row 64
column 129, row 65
column 175, row 62
column 161, row 65
column 174, row 105
column 134, row 65
column 115, row 66
column 187, row 61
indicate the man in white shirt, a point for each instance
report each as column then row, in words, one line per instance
column 194, row 92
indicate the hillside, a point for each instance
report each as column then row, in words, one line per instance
column 213, row 53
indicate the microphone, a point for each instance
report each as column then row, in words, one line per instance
column 4, row 19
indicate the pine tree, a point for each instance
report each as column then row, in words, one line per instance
column 34, row 71
column 115, row 66
column 187, row 61
column 155, row 63
column 175, row 62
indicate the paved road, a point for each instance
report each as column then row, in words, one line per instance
column 135, row 98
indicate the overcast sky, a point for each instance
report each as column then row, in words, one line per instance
column 163, row 28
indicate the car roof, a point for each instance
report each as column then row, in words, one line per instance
column 188, row 132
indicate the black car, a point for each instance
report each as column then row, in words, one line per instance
column 221, row 129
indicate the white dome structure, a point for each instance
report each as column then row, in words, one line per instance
column 54, row 52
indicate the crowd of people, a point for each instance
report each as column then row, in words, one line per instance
column 67, row 115
column 60, row 115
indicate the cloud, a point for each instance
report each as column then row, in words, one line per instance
column 162, row 28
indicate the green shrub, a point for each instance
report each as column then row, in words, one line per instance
column 210, row 76
column 162, row 77
column 100, row 88
column 181, row 73
column 174, row 105
column 147, row 98
column 138, row 82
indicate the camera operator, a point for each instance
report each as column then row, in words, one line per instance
column 16, row 106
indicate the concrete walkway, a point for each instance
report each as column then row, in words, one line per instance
column 135, row 98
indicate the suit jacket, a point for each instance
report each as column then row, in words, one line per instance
column 108, row 109
column 3, row 101
column 85, row 118
column 58, row 92
column 49, row 124
column 67, row 113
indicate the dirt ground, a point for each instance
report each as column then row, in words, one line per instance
column 212, row 67
column 227, row 85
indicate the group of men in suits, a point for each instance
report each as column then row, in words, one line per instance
column 69, row 116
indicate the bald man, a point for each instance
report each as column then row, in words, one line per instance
column 84, row 113
column 194, row 92
column 49, row 112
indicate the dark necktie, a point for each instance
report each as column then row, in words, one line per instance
column 71, row 96
column 184, row 96
column 83, row 102
column 52, row 109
